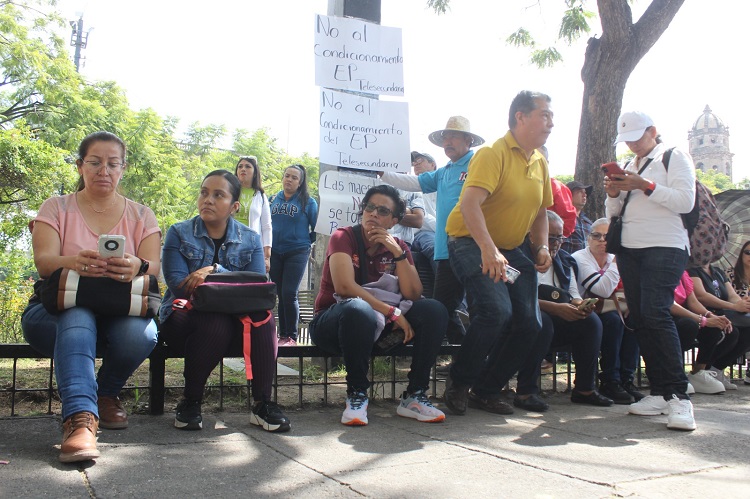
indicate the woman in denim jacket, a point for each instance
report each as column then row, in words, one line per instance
column 209, row 243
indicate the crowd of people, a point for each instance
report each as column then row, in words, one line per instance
column 508, row 245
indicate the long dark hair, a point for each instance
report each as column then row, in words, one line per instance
column 304, row 196
column 386, row 190
column 256, row 182
column 739, row 269
column 83, row 150
column 235, row 188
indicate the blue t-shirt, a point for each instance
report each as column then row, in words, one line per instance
column 292, row 228
column 447, row 182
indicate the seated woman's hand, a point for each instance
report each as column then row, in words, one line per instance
column 90, row 264
column 718, row 322
column 194, row 279
column 570, row 312
column 123, row 269
column 402, row 323
column 741, row 306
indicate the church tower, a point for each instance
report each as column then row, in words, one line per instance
column 709, row 144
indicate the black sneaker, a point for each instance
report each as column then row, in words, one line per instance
column 268, row 416
column 615, row 391
column 187, row 416
column 633, row 390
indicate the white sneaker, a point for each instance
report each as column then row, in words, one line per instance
column 705, row 382
column 728, row 385
column 680, row 415
column 690, row 389
column 355, row 413
column 650, row 405
column 418, row 406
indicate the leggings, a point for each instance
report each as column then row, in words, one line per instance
column 204, row 338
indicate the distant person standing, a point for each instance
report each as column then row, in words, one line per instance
column 254, row 208
column 505, row 197
column 424, row 238
column 412, row 219
column 577, row 239
column 655, row 249
column 456, row 139
column 294, row 214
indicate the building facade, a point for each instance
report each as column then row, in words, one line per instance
column 709, row 144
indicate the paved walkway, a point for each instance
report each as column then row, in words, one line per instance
column 571, row 451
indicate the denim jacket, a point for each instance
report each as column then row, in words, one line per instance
column 188, row 247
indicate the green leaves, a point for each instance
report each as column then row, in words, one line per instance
column 521, row 38
column 546, row 57
column 575, row 22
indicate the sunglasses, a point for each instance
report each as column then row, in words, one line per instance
column 556, row 239
column 382, row 210
column 746, row 252
column 598, row 236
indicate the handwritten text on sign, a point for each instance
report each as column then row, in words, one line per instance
column 356, row 55
column 341, row 194
column 365, row 134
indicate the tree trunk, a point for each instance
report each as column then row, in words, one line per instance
column 607, row 66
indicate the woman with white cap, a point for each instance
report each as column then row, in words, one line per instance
column 655, row 249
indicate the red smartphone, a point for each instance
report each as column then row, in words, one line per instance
column 610, row 168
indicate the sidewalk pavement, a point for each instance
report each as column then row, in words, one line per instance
column 571, row 451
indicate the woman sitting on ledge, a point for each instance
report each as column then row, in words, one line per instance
column 348, row 316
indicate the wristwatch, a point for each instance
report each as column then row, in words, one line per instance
column 650, row 189
column 400, row 257
column 144, row 267
column 543, row 246
column 395, row 315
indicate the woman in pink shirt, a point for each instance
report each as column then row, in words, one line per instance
column 65, row 234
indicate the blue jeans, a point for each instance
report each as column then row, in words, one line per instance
column 650, row 276
column 450, row 292
column 287, row 270
column 620, row 353
column 496, row 309
column 584, row 336
column 424, row 242
column 348, row 328
column 71, row 339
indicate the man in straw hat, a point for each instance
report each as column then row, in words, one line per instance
column 504, row 198
column 456, row 139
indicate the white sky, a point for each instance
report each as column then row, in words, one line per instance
column 249, row 64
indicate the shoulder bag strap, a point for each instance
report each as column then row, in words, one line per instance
column 363, row 274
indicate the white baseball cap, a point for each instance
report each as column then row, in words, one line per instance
column 631, row 126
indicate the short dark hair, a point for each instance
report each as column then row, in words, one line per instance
column 524, row 102
column 235, row 188
column 386, row 190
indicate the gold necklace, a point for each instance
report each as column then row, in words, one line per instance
column 114, row 200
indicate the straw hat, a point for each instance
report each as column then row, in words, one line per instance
column 456, row 124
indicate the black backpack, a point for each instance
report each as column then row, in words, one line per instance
column 707, row 231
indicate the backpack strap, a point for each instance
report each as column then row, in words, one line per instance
column 665, row 158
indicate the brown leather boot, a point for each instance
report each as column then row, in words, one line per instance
column 79, row 438
column 112, row 415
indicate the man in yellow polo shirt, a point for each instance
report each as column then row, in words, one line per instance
column 504, row 198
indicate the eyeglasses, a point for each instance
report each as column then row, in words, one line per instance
column 598, row 236
column 746, row 252
column 556, row 239
column 418, row 161
column 95, row 164
column 382, row 210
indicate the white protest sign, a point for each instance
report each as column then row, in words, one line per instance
column 352, row 54
column 340, row 196
column 362, row 133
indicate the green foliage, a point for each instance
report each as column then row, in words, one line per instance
column 440, row 6
column 521, row 38
column 565, row 178
column 715, row 181
column 575, row 22
column 546, row 57
column 17, row 276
